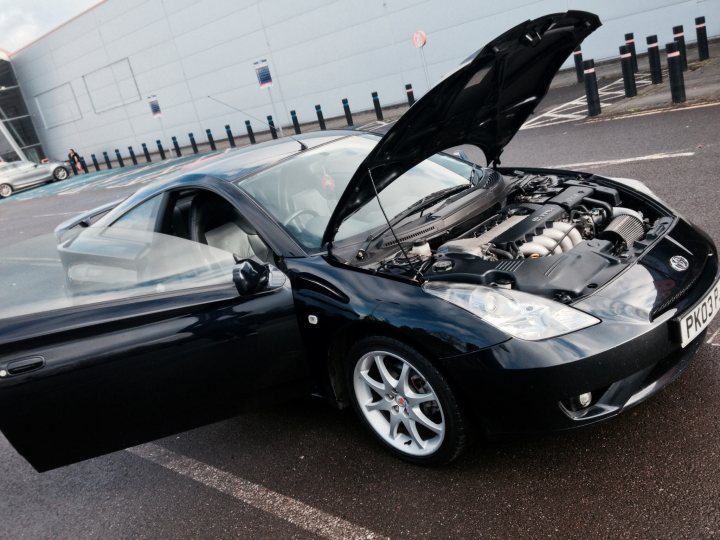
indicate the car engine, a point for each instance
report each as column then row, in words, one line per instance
column 552, row 220
column 553, row 236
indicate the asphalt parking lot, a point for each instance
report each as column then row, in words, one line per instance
column 304, row 470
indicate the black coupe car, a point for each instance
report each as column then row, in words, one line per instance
column 389, row 273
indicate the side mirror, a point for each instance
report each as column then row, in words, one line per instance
column 251, row 277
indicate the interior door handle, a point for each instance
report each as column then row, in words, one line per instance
column 24, row 365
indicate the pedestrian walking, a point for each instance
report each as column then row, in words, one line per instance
column 74, row 159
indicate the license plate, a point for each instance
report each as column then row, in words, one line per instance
column 698, row 318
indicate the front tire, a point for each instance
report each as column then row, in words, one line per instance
column 405, row 402
column 60, row 173
column 5, row 190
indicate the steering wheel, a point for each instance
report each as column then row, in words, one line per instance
column 299, row 213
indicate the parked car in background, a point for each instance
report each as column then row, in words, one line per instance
column 16, row 175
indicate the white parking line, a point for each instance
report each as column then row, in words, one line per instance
column 651, row 112
column 712, row 338
column 281, row 506
column 648, row 157
column 576, row 110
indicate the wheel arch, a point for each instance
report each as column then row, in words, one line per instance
column 343, row 340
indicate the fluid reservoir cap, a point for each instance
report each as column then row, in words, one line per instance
column 443, row 266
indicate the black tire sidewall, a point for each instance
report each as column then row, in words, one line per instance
column 55, row 174
column 11, row 190
column 455, row 421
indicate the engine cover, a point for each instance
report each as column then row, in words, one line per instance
column 543, row 217
column 575, row 273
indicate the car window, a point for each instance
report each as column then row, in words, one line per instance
column 105, row 264
column 143, row 217
column 10, row 166
column 302, row 192
column 434, row 174
column 208, row 218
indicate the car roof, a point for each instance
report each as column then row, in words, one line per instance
column 237, row 163
column 241, row 162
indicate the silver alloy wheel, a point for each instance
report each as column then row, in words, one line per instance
column 60, row 173
column 5, row 190
column 399, row 403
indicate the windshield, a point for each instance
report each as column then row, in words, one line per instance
column 302, row 192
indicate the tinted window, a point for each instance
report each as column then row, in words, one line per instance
column 141, row 218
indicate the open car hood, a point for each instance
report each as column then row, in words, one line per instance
column 484, row 102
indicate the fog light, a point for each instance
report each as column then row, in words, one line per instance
column 585, row 399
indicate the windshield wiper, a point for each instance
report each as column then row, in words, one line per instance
column 427, row 201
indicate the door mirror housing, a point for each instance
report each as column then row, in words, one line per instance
column 251, row 277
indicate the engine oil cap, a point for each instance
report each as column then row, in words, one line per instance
column 443, row 266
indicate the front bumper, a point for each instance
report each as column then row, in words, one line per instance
column 539, row 399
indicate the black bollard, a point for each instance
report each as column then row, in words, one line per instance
column 296, row 124
column 702, row 42
column 230, row 137
column 107, row 160
column 630, row 42
column 160, row 149
column 119, row 158
column 679, row 37
column 83, row 164
column 627, row 71
column 250, row 133
column 675, row 72
column 654, row 60
column 410, row 95
column 193, row 143
column 321, row 119
column 132, row 155
column 95, row 162
column 348, row 114
column 147, row 154
column 376, row 104
column 176, row 146
column 73, row 167
column 577, row 54
column 210, row 139
column 271, row 124
column 591, row 88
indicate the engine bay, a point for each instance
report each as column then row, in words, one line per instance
column 552, row 235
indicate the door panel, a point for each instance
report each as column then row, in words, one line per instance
column 119, row 375
column 25, row 174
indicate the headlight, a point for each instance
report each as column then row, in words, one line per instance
column 519, row 314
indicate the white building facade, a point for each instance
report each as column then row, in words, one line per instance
column 86, row 84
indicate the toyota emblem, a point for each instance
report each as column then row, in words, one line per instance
column 679, row 263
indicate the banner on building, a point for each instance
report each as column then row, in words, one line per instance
column 154, row 106
column 262, row 70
